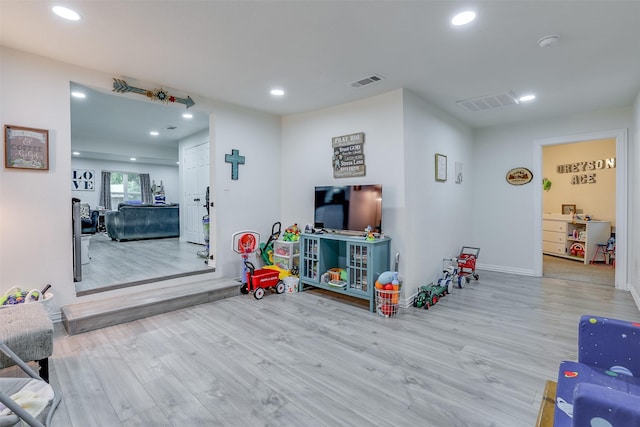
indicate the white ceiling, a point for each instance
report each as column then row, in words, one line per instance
column 236, row 51
column 107, row 126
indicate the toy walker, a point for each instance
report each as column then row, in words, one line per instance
column 467, row 263
column 266, row 249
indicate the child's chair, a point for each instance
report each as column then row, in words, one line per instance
column 604, row 384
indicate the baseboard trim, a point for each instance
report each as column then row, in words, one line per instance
column 509, row 270
column 408, row 301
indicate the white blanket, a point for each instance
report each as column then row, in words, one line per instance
column 33, row 398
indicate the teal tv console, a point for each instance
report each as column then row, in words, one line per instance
column 363, row 261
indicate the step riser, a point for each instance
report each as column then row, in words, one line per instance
column 144, row 309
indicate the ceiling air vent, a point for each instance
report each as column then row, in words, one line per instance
column 366, row 81
column 489, row 102
column 171, row 128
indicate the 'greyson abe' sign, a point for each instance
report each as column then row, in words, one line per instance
column 585, row 170
column 348, row 155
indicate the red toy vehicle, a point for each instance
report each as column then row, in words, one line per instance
column 259, row 280
column 467, row 263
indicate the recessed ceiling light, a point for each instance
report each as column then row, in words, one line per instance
column 154, row 133
column 527, row 98
column 187, row 115
column 77, row 94
column 133, row 159
column 76, row 153
column 463, row 18
column 277, row 92
column 66, row 13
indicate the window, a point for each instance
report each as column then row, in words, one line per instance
column 125, row 187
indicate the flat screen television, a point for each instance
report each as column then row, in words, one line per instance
column 348, row 208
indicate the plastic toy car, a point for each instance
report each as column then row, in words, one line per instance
column 426, row 297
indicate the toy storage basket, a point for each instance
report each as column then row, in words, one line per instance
column 387, row 302
column 45, row 299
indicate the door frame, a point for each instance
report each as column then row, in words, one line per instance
column 622, row 201
column 201, row 193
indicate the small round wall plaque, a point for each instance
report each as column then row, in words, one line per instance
column 519, row 176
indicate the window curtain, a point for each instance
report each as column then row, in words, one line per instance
column 105, row 190
column 145, row 188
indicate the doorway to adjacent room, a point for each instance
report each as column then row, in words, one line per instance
column 598, row 191
column 113, row 132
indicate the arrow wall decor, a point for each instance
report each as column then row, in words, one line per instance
column 161, row 95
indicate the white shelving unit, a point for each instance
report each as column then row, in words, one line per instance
column 560, row 234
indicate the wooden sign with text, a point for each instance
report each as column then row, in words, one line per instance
column 348, row 155
column 26, row 148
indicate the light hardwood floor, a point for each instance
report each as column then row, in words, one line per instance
column 562, row 268
column 115, row 264
column 480, row 357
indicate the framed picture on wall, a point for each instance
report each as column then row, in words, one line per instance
column 26, row 148
column 568, row 209
column 441, row 167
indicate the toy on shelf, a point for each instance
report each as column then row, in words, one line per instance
column 157, row 191
column 369, row 236
column 336, row 277
column 291, row 234
column 577, row 250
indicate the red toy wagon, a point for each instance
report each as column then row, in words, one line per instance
column 259, row 280
column 467, row 263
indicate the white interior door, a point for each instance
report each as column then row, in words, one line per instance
column 196, row 180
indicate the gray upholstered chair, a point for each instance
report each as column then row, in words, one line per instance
column 27, row 329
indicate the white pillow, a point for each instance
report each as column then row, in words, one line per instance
column 85, row 211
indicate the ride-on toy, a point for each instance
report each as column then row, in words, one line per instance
column 259, row 280
column 429, row 295
column 450, row 274
column 266, row 249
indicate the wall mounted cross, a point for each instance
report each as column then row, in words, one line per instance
column 235, row 159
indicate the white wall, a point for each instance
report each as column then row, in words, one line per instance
column 307, row 152
column 167, row 174
column 634, row 205
column 426, row 220
column 437, row 213
column 252, row 202
column 503, row 215
column 35, row 207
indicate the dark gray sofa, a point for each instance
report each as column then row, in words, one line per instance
column 142, row 221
